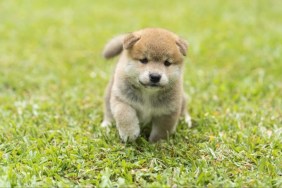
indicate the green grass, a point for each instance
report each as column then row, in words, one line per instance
column 52, row 80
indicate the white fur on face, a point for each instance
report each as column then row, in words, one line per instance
column 144, row 77
column 137, row 74
column 131, row 69
column 176, row 73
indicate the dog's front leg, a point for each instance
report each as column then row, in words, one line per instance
column 163, row 126
column 126, row 121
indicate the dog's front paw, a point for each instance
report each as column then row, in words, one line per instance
column 129, row 134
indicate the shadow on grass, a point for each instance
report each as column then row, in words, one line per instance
column 185, row 138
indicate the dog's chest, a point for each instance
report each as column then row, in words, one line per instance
column 148, row 109
column 148, row 103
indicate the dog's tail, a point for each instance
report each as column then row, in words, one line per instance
column 114, row 47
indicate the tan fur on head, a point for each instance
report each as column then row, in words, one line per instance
column 147, row 85
column 115, row 46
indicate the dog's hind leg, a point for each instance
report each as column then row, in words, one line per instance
column 163, row 126
column 108, row 116
column 184, row 112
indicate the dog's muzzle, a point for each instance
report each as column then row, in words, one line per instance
column 155, row 77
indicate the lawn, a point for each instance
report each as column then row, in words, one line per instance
column 52, row 81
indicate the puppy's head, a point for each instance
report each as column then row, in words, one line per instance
column 154, row 58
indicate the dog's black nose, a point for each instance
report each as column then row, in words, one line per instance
column 155, row 77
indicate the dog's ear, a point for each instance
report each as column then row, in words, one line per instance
column 182, row 45
column 130, row 40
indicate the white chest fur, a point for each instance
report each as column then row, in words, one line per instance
column 146, row 110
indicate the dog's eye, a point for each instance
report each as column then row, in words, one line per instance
column 144, row 61
column 167, row 63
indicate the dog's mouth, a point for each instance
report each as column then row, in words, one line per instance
column 150, row 85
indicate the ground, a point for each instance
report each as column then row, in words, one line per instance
column 52, row 80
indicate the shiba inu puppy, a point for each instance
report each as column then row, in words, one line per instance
column 147, row 83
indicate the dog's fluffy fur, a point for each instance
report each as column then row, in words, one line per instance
column 147, row 83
